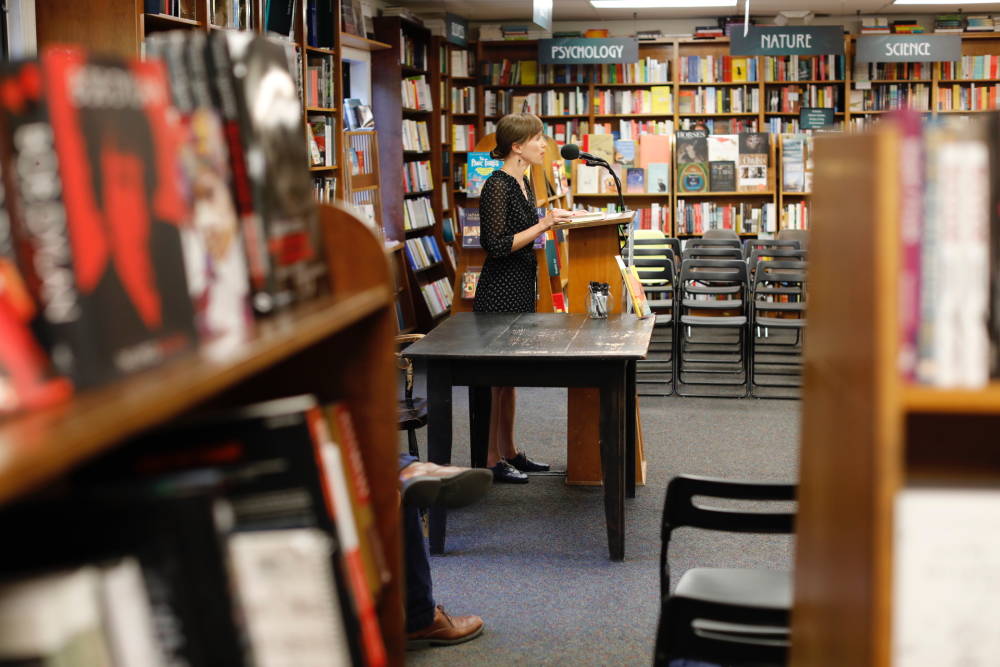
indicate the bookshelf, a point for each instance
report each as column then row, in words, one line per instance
column 38, row 448
column 793, row 205
column 120, row 28
column 406, row 84
column 866, row 433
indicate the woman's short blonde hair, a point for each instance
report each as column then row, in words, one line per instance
column 514, row 128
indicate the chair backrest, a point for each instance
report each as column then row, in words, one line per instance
column 750, row 245
column 721, row 234
column 800, row 235
column 679, row 510
column 787, row 272
column 761, row 254
column 405, row 364
column 714, row 270
column 697, row 252
column 713, row 243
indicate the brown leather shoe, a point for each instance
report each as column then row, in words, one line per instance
column 426, row 484
column 445, row 631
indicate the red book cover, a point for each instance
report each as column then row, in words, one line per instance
column 116, row 141
column 27, row 379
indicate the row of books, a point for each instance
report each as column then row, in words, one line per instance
column 566, row 132
column 743, row 217
column 968, row 97
column 655, row 216
column 438, row 296
column 644, row 70
column 241, row 537
column 319, row 82
column 789, row 99
column 180, row 8
column 413, row 52
column 233, row 14
column 949, row 221
column 545, row 103
column 712, row 69
column 415, row 136
column 803, row 68
column 463, row 100
column 981, row 23
column 972, row 67
column 416, row 93
column 719, row 125
column 463, row 63
column 463, row 137
column 657, row 99
column 654, row 178
column 325, row 188
column 422, row 252
column 417, row 176
column 722, row 99
column 891, row 71
column 177, row 250
column 632, row 129
column 417, row 213
column 322, row 144
column 470, row 279
column 892, row 96
column 795, row 215
column 320, row 22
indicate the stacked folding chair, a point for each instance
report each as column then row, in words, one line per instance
column 712, row 334
column 778, row 322
column 655, row 261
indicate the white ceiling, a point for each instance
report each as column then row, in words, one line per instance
column 581, row 10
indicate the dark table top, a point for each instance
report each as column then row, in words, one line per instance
column 554, row 336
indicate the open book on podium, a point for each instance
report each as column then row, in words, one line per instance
column 598, row 219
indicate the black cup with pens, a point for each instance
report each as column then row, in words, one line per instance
column 597, row 300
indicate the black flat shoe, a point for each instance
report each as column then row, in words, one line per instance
column 505, row 473
column 524, row 464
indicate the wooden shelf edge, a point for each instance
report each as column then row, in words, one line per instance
column 361, row 43
column 985, row 401
column 39, row 446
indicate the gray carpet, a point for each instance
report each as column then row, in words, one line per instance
column 532, row 560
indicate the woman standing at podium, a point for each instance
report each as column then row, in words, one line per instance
column 509, row 223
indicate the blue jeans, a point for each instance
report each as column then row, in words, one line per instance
column 416, row 561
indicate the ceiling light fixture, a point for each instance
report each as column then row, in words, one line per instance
column 945, row 2
column 660, row 4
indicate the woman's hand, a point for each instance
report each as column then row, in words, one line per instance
column 555, row 216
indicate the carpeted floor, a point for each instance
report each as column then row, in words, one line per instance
column 532, row 560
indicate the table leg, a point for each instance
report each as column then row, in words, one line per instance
column 438, row 439
column 613, row 460
column 480, row 407
column 630, row 426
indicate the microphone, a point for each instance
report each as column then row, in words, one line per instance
column 573, row 152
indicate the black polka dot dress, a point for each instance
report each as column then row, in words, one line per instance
column 507, row 281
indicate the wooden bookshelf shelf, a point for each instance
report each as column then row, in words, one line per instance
column 894, row 80
column 361, row 43
column 322, row 50
column 719, row 115
column 642, row 84
column 39, row 446
column 689, row 195
column 470, row 79
column 534, row 86
column 418, row 193
column 464, row 114
column 324, row 168
column 410, row 70
column 428, row 267
column 684, row 236
column 968, row 80
column 391, row 247
column 702, row 84
column 796, row 113
column 795, row 194
column 811, row 82
column 167, row 21
column 934, row 400
column 416, row 111
column 954, row 111
column 626, row 195
column 669, row 114
column 321, row 109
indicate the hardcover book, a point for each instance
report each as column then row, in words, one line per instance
column 469, row 281
column 723, row 147
column 479, row 167
column 692, row 177
column 636, row 180
column 692, row 146
column 722, row 176
column 752, row 174
column 121, row 272
column 658, row 178
column 469, row 220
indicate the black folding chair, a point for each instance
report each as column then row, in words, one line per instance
column 778, row 323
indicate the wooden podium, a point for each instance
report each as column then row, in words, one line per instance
column 592, row 247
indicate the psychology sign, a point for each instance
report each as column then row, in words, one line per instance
column 582, row 51
column 788, row 41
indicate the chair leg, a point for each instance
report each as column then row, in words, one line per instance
column 411, row 436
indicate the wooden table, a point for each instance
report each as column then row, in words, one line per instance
column 480, row 350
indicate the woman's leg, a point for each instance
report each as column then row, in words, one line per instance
column 501, row 426
column 493, row 455
column 507, row 447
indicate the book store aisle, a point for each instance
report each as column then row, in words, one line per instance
column 531, row 560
